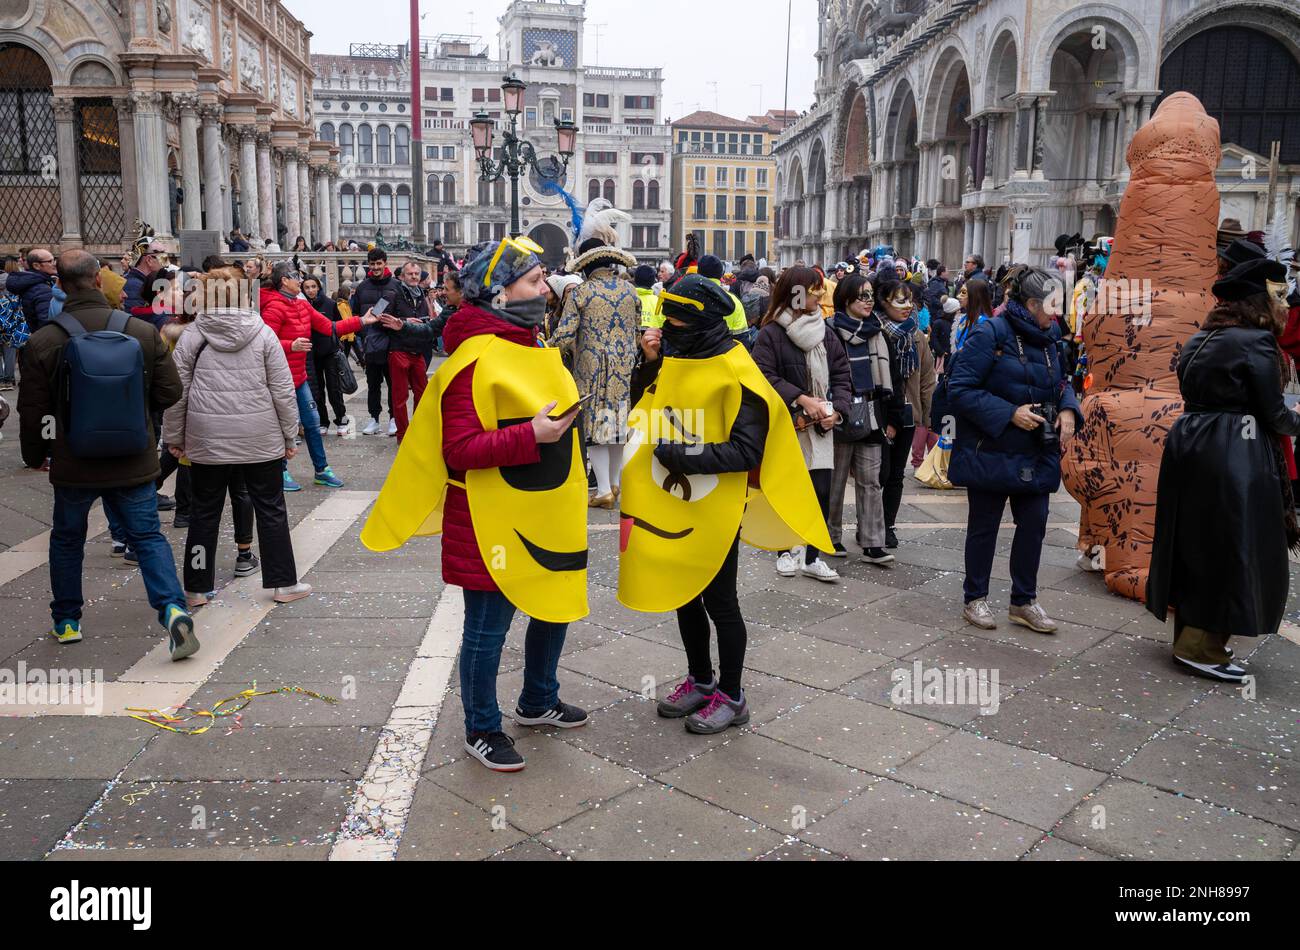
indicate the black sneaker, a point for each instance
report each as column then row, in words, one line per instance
column 129, row 555
column 840, row 551
column 246, row 564
column 563, row 716
column 877, row 556
column 181, row 521
column 891, row 539
column 496, row 750
column 166, row 502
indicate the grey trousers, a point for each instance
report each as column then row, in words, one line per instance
column 863, row 462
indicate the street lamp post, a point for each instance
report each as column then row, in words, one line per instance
column 517, row 154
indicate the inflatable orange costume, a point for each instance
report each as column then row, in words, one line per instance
column 1154, row 296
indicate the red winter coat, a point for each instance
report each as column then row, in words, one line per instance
column 465, row 446
column 294, row 318
column 1290, row 343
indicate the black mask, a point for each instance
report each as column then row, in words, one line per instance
column 698, row 339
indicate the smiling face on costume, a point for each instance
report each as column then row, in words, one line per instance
column 899, row 304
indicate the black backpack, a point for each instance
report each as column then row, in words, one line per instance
column 100, row 391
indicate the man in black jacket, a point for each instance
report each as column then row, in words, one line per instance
column 125, row 484
column 380, row 284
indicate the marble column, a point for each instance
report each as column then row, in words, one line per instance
column 1094, row 145
column 1126, row 135
column 213, row 184
column 990, row 153
column 191, row 208
column 968, row 232
column 977, row 244
column 126, row 143
column 336, row 204
column 228, row 139
column 1040, row 127
column 324, row 218
column 1023, row 231
column 1021, row 144
column 265, row 190
column 151, row 162
column 304, row 198
column 250, row 206
column 65, row 126
column 289, row 190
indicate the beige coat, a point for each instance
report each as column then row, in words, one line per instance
column 239, row 405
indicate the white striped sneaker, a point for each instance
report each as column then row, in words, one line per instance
column 563, row 716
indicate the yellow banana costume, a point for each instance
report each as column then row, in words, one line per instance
column 530, row 520
column 677, row 529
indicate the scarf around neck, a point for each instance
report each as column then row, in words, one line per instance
column 808, row 332
column 868, row 352
column 902, row 338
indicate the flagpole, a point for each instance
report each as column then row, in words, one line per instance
column 789, row 24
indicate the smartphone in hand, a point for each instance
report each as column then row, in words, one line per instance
column 582, row 401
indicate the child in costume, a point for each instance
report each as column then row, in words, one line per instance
column 506, row 486
column 703, row 429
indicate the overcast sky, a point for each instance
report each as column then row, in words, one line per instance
column 737, row 44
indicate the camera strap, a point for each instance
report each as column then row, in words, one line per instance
column 1047, row 362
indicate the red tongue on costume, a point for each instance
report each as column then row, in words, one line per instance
column 624, row 533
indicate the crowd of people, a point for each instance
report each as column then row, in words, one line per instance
column 826, row 374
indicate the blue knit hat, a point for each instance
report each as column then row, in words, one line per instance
column 493, row 266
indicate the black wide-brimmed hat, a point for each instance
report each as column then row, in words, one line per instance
column 1252, row 277
column 1240, row 250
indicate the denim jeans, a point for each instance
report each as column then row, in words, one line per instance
column 10, row 361
column 310, row 420
column 487, row 619
column 135, row 510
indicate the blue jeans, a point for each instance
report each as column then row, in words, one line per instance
column 135, row 510
column 10, row 361
column 487, row 618
column 310, row 419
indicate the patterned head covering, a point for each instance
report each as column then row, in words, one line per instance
column 493, row 266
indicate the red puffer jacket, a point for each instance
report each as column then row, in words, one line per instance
column 293, row 318
column 465, row 446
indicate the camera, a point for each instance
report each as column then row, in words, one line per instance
column 1048, row 438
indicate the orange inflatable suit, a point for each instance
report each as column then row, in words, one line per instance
column 1165, row 236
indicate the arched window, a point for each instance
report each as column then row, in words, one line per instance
column 609, row 191
column 449, row 190
column 365, row 145
column 638, row 195
column 366, row 212
column 403, row 205
column 652, row 195
column 385, row 145
column 499, row 193
column 403, row 145
column 348, row 205
column 593, row 189
column 345, row 142
column 433, row 194
column 385, row 205
column 327, row 132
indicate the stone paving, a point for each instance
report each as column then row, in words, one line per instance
column 1099, row 749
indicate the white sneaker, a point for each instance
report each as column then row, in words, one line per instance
column 820, row 570
column 392, row 428
column 344, row 426
column 372, row 428
column 287, row 595
column 787, row 565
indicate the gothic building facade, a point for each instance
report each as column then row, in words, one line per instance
column 945, row 127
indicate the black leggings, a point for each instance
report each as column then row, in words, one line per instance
column 719, row 603
column 893, row 469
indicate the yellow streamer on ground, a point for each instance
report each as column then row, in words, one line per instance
column 172, row 722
